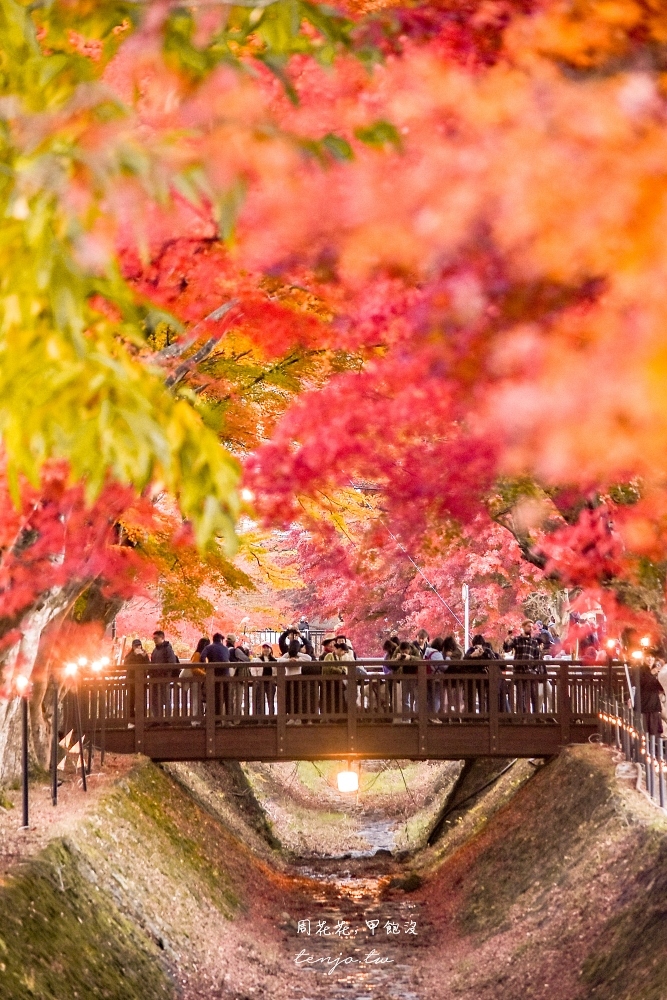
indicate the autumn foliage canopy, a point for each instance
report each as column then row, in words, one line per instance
column 401, row 267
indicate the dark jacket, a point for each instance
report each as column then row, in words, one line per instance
column 215, row 652
column 650, row 691
column 314, row 667
column 546, row 640
column 284, row 641
column 473, row 664
column 164, row 654
column 136, row 657
column 131, row 660
column 268, row 671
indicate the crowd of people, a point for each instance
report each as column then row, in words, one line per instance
column 295, row 650
column 534, row 644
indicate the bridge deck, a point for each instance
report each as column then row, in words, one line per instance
column 506, row 712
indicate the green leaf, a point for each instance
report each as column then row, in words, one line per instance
column 380, row 133
column 339, row 148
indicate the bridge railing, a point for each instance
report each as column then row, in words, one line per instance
column 501, row 692
column 622, row 727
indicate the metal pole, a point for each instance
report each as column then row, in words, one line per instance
column 54, row 747
column 24, row 759
column 93, row 701
column 80, row 737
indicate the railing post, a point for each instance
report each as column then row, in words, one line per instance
column 422, row 706
column 564, row 706
column 494, row 697
column 139, row 706
column 352, row 707
column 651, row 756
column 79, row 730
column 637, row 704
column 54, row 745
column 103, row 725
column 661, row 773
column 25, row 784
column 209, row 681
column 281, row 721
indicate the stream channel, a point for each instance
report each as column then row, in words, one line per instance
column 361, row 935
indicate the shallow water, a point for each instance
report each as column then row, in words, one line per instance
column 355, row 961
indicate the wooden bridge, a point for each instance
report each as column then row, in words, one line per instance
column 508, row 711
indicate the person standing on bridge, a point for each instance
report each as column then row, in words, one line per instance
column 216, row 652
column 473, row 663
column 327, row 646
column 161, row 694
column 433, row 656
column 201, row 646
column 650, row 690
column 527, row 647
column 163, row 651
column 136, row 656
column 230, row 643
column 342, row 640
column 264, row 691
column 421, row 642
column 451, row 650
column 294, row 657
column 266, row 656
column 290, row 635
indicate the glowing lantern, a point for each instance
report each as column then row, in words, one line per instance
column 82, row 661
column 637, row 655
column 645, row 642
column 611, row 643
column 71, row 669
column 21, row 682
column 348, row 781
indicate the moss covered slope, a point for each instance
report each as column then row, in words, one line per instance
column 61, row 936
column 141, row 897
column 562, row 893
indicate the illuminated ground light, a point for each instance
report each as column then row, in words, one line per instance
column 348, row 781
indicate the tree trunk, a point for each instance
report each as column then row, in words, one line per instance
column 24, row 655
column 10, row 740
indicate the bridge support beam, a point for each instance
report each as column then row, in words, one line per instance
column 352, row 707
column 210, row 713
column 281, row 720
column 422, row 696
column 139, row 707
column 564, row 706
column 494, row 697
